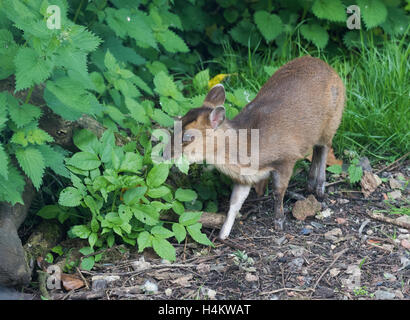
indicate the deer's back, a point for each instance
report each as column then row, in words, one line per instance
column 299, row 106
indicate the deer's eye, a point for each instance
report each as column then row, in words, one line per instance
column 188, row 137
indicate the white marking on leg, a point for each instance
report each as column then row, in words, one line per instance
column 239, row 194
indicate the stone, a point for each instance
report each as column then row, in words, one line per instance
column 168, row 292
column 306, row 208
column 384, row 295
column 365, row 164
column 396, row 184
column 140, row 264
column 394, row 195
column 251, row 277
column 369, row 183
column 324, row 214
column 405, row 244
column 334, row 234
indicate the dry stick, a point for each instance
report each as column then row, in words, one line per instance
column 337, row 256
column 285, row 289
column 82, row 277
column 383, row 218
column 393, row 163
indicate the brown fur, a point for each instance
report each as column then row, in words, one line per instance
column 297, row 110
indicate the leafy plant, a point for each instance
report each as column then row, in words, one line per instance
column 123, row 199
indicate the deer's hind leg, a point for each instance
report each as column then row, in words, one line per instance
column 317, row 173
column 280, row 179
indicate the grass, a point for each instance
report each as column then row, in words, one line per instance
column 376, row 119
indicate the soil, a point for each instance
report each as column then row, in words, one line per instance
column 346, row 255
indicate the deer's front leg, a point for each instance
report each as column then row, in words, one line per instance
column 239, row 194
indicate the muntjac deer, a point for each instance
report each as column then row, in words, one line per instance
column 297, row 110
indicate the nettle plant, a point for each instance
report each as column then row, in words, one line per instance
column 119, row 193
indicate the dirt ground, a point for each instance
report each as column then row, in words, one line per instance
column 345, row 255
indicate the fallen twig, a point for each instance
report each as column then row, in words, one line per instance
column 285, row 289
column 392, row 164
column 381, row 217
column 337, row 256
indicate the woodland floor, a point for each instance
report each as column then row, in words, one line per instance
column 367, row 260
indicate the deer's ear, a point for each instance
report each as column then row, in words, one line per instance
column 215, row 96
column 217, row 116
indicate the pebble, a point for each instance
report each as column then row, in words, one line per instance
column 280, row 241
column 251, row 277
column 296, row 263
column 405, row 244
column 384, row 295
column 150, row 287
column 395, row 184
column 365, row 164
column 168, row 292
column 343, row 201
column 389, row 276
column 394, row 195
column 140, row 264
column 324, row 214
column 333, row 234
column 402, row 230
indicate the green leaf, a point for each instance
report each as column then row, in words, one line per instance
column 196, row 234
column 165, row 86
column 374, row 12
column 329, row 10
column 157, row 175
column 32, row 162
column 336, row 169
column 244, row 33
column 163, row 248
column 81, row 231
column 132, row 163
column 189, row 217
column 87, row 263
column 201, row 80
column 179, row 231
column 161, row 232
column 144, row 241
column 171, row 41
column 70, row 197
column 49, row 212
column 158, row 192
column 396, row 22
column 8, row 50
column 31, row 68
column 11, row 189
column 162, row 118
column 355, row 173
column 86, row 140
column 178, row 207
column 270, row 25
column 131, row 196
column 146, row 214
column 92, row 239
column 182, row 164
column 24, row 114
column 4, row 162
column 84, row 161
column 54, row 157
column 316, row 34
column 185, row 195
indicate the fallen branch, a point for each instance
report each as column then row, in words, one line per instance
column 393, row 163
column 208, row 219
column 381, row 217
column 285, row 289
column 337, row 256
